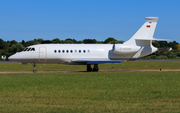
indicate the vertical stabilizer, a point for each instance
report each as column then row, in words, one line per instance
column 145, row 34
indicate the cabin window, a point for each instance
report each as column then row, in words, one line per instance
column 84, row 51
column 79, row 51
column 75, row 51
column 88, row 51
column 67, row 51
column 63, row 51
column 55, row 51
column 71, row 51
column 59, row 51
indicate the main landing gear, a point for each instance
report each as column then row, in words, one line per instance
column 34, row 66
column 94, row 69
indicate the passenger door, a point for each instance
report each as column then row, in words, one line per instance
column 42, row 54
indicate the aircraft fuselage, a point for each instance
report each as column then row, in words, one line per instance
column 73, row 53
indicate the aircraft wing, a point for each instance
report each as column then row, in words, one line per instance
column 103, row 62
column 97, row 62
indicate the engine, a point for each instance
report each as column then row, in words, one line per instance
column 124, row 49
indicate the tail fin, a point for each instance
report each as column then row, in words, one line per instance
column 145, row 34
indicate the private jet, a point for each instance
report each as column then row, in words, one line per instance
column 139, row 45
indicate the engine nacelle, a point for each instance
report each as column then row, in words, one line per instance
column 124, row 49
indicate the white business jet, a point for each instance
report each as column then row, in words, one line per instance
column 139, row 45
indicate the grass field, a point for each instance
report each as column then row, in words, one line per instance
column 90, row 91
column 121, row 66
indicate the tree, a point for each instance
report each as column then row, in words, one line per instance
column 156, row 44
column 173, row 44
column 14, row 48
column 89, row 41
column 163, row 43
column 164, row 53
column 46, row 42
column 40, row 40
column 10, row 50
column 110, row 40
column 19, row 47
column 74, row 41
column 153, row 56
column 1, row 43
column 162, row 57
column 32, row 42
column 99, row 42
column 56, row 41
column 68, row 42
column 119, row 42
column 71, row 40
column 0, row 56
column 6, row 45
column 178, row 53
column 23, row 42
column 178, row 46
column 79, row 42
column 12, row 42
column 171, row 54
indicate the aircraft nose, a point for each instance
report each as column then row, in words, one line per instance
column 10, row 58
column 14, row 57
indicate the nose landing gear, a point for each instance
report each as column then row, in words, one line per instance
column 34, row 66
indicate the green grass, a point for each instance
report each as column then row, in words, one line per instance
column 121, row 66
column 90, row 92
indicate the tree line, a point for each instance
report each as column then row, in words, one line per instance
column 8, row 48
column 165, row 51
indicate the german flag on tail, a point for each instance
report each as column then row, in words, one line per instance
column 148, row 26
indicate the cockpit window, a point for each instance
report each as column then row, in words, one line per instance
column 25, row 49
column 29, row 49
column 32, row 49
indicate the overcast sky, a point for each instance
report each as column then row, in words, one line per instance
column 86, row 19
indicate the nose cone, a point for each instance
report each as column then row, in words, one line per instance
column 12, row 57
column 15, row 57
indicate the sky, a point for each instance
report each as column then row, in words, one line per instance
column 86, row 19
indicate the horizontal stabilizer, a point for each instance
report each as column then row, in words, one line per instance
column 152, row 39
column 103, row 62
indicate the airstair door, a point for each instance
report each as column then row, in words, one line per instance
column 42, row 54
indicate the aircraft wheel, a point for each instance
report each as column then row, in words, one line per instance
column 95, row 67
column 34, row 71
column 89, row 68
